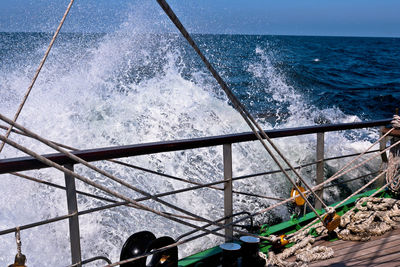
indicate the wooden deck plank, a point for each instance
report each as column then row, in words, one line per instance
column 379, row 251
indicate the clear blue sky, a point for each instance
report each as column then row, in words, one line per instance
column 288, row 17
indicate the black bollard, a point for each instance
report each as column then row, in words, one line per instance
column 249, row 251
column 230, row 254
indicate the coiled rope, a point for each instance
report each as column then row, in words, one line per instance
column 303, row 251
column 394, row 160
column 374, row 217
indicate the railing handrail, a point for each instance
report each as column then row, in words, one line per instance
column 29, row 163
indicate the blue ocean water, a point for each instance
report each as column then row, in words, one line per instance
column 359, row 76
column 99, row 90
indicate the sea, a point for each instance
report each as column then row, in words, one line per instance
column 120, row 88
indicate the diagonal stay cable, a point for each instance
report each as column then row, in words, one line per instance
column 38, row 71
column 320, row 185
column 343, row 170
column 77, row 159
column 200, row 185
column 198, row 236
column 118, row 195
column 123, row 163
column 211, row 185
column 105, row 189
column 239, row 107
column 59, row 186
column 352, row 195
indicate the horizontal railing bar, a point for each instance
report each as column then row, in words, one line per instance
column 31, row 225
column 351, row 155
column 96, row 259
column 116, row 203
column 61, row 187
column 256, row 195
column 351, row 180
column 298, row 167
column 91, row 260
column 29, row 163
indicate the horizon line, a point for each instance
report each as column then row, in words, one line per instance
column 196, row 33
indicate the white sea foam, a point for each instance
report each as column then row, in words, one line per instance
column 93, row 104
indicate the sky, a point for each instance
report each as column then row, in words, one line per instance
column 370, row 18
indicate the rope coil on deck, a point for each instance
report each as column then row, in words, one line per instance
column 303, row 251
column 372, row 216
column 375, row 216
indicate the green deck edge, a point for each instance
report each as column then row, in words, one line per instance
column 200, row 257
column 286, row 227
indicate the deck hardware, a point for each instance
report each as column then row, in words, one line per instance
column 331, row 220
column 136, row 245
column 230, row 254
column 278, row 242
column 299, row 201
column 164, row 258
column 250, row 250
column 20, row 258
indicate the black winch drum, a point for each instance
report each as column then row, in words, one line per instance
column 136, row 245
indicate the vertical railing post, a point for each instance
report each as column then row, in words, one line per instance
column 228, row 207
column 320, row 167
column 74, row 220
column 382, row 145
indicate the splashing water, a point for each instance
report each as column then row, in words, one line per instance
column 120, row 88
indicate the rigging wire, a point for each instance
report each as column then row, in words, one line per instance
column 316, row 187
column 38, row 71
column 240, row 108
column 260, row 212
column 246, row 115
column 103, row 188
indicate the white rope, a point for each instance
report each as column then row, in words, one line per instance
column 241, row 109
column 38, row 71
column 392, row 169
column 88, row 181
column 342, row 171
column 304, row 252
column 375, row 216
column 396, row 122
column 394, row 160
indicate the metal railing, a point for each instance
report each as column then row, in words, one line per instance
column 13, row 165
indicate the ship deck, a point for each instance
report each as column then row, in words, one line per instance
column 379, row 251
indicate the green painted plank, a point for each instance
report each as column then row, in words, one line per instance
column 195, row 258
